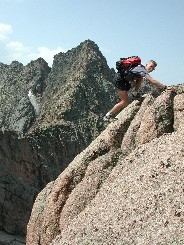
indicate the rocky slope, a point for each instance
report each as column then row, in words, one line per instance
column 126, row 187
column 47, row 117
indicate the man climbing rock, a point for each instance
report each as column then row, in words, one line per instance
column 124, row 81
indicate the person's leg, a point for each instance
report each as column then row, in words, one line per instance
column 124, row 101
column 137, row 86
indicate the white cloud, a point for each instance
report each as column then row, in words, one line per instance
column 5, row 30
column 17, row 51
column 105, row 50
column 48, row 54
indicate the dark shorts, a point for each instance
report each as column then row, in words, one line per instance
column 120, row 83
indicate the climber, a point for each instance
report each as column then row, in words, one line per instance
column 123, row 85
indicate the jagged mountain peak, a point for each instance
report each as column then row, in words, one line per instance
column 78, row 58
column 77, row 76
column 74, row 76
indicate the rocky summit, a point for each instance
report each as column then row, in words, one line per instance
column 69, row 178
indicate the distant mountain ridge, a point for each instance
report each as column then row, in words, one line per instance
column 47, row 116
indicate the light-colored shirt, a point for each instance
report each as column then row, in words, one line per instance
column 137, row 71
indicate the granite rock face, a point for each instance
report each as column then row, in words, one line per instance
column 47, row 117
column 126, row 187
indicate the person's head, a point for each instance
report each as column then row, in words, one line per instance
column 150, row 66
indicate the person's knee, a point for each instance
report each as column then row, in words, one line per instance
column 124, row 103
column 139, row 80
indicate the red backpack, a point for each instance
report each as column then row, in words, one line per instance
column 129, row 62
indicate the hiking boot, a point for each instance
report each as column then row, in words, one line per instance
column 109, row 118
column 136, row 96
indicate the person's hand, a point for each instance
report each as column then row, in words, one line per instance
column 170, row 88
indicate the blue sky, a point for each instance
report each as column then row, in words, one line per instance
column 41, row 28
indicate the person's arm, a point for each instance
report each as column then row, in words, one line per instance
column 157, row 83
